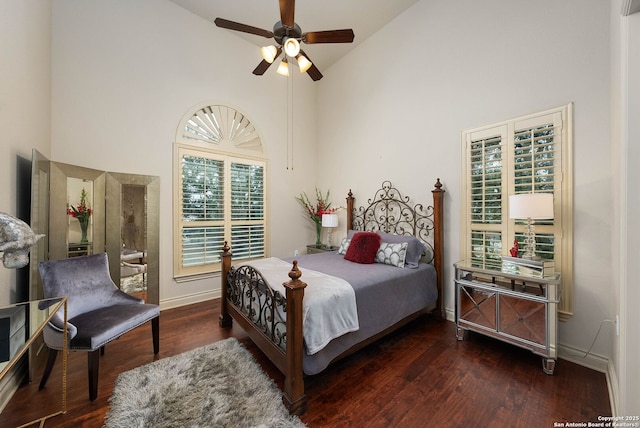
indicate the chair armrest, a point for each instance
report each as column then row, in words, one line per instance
column 53, row 334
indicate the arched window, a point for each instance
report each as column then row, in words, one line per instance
column 220, row 189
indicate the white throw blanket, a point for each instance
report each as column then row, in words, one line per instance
column 329, row 305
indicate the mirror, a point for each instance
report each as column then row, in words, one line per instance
column 79, row 216
column 66, row 184
column 124, row 215
column 133, row 211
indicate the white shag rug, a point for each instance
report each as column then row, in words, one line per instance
column 218, row 385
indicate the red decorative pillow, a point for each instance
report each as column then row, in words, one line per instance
column 363, row 248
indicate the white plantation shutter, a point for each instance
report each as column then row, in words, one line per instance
column 247, row 210
column 537, row 154
column 222, row 198
column 484, row 200
column 525, row 155
column 202, row 208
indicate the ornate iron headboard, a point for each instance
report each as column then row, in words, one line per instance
column 388, row 211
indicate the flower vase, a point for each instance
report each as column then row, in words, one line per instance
column 83, row 227
column 318, row 232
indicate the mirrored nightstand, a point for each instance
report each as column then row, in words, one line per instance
column 513, row 307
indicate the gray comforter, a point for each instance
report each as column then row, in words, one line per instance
column 384, row 295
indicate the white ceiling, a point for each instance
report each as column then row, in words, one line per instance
column 365, row 17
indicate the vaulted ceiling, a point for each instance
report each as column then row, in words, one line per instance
column 365, row 17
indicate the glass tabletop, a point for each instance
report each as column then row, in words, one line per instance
column 20, row 324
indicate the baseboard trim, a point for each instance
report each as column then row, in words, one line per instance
column 189, row 299
column 577, row 356
column 614, row 388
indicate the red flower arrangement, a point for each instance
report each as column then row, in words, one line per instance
column 82, row 213
column 322, row 206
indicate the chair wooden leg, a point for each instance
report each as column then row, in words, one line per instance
column 93, row 361
column 53, row 353
column 155, row 331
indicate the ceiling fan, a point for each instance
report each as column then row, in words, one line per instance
column 288, row 35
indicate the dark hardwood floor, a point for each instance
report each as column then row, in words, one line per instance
column 420, row 376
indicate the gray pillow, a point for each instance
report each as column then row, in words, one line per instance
column 415, row 247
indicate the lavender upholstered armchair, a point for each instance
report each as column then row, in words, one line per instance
column 98, row 312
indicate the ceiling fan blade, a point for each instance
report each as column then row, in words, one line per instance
column 287, row 11
column 313, row 71
column 264, row 65
column 261, row 68
column 236, row 26
column 331, row 36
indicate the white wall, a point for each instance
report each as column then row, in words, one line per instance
column 25, row 101
column 125, row 73
column 405, row 95
column 628, row 347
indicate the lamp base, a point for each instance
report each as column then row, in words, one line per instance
column 530, row 242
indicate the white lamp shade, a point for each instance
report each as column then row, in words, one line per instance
column 303, row 63
column 269, row 53
column 291, row 47
column 531, row 205
column 283, row 68
column 329, row 220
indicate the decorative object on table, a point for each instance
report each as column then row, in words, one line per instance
column 526, row 267
column 82, row 213
column 514, row 250
column 329, row 221
column 315, row 212
column 216, row 385
column 530, row 207
column 16, row 237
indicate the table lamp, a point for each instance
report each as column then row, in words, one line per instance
column 530, row 207
column 330, row 221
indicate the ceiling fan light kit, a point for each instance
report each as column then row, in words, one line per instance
column 288, row 36
column 291, row 47
column 283, row 68
column 303, row 63
column 269, row 53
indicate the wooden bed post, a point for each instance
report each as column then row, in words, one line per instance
column 225, row 319
column 294, row 397
column 438, row 243
column 350, row 200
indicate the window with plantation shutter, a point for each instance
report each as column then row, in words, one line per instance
column 531, row 154
column 220, row 189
